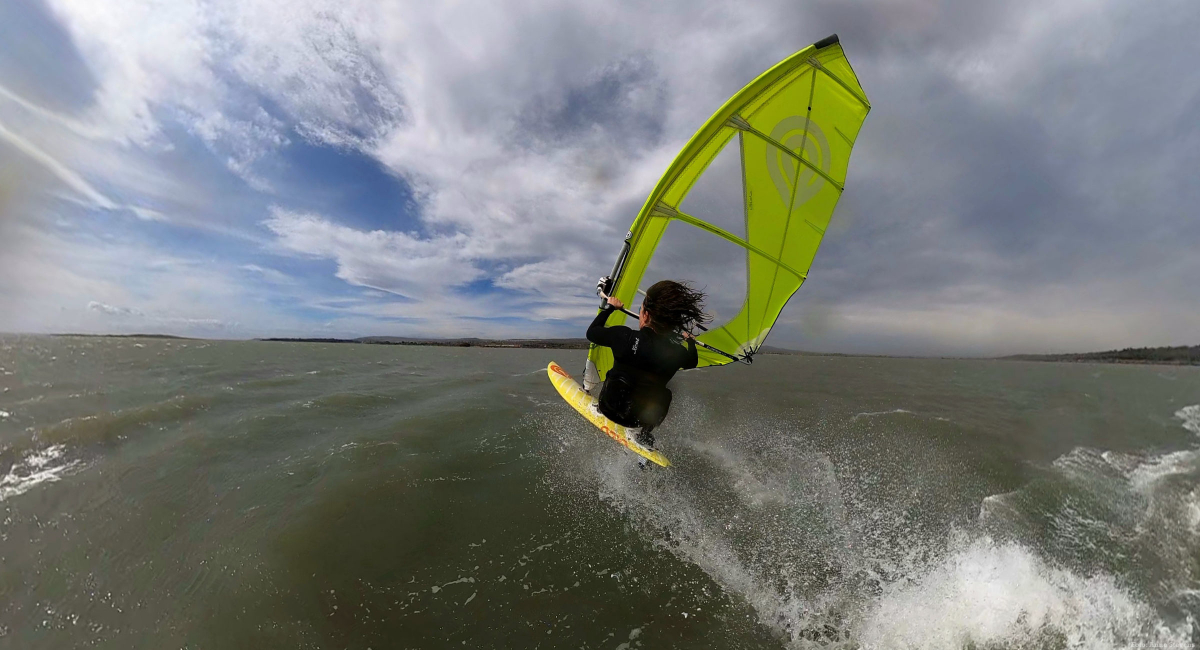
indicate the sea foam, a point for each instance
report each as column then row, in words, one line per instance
column 1191, row 418
column 989, row 594
column 35, row 467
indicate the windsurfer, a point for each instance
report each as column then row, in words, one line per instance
column 635, row 392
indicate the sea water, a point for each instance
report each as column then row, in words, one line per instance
column 203, row 494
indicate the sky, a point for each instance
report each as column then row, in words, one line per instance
column 1025, row 182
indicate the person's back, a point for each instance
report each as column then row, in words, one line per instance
column 635, row 392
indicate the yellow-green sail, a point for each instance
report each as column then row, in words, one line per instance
column 795, row 126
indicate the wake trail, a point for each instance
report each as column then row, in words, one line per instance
column 826, row 557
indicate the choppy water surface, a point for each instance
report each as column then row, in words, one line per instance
column 245, row 494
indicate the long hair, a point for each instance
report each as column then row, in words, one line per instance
column 674, row 306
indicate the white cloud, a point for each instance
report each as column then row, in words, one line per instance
column 113, row 311
column 193, row 61
column 551, row 277
column 271, row 275
column 141, row 54
column 64, row 173
column 389, row 261
column 146, row 214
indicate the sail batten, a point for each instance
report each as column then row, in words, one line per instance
column 730, row 237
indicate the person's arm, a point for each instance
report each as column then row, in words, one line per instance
column 692, row 359
column 613, row 337
column 595, row 331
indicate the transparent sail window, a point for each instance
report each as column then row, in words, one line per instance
column 710, row 263
column 717, row 196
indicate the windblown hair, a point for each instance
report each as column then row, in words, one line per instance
column 674, row 306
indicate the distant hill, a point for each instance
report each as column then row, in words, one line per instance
column 1182, row 355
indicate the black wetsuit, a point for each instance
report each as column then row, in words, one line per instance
column 635, row 392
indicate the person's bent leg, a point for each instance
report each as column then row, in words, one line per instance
column 617, row 401
column 651, row 411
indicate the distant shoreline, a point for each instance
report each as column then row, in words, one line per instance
column 543, row 344
column 1169, row 356
column 1176, row 356
column 125, row 336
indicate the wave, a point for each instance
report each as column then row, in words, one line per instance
column 1191, row 418
column 50, row 453
column 272, row 382
column 871, row 414
column 111, row 425
column 351, row 402
column 1107, row 513
column 46, row 465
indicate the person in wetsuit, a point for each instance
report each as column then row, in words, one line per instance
column 635, row 392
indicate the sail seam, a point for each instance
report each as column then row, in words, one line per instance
column 787, row 223
column 746, row 216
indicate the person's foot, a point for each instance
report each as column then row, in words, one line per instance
column 645, row 439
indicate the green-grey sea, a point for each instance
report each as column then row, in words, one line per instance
column 203, row 494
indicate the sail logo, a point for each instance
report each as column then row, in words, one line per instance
column 803, row 137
